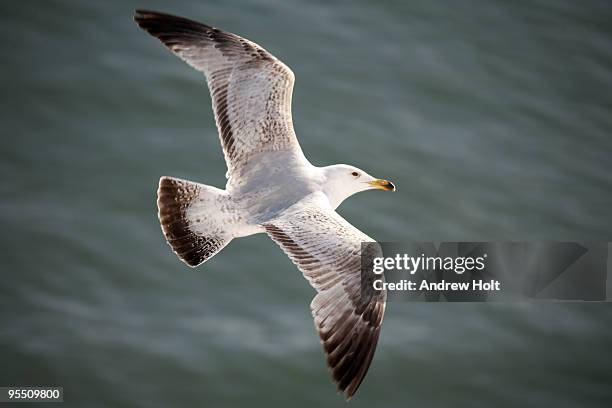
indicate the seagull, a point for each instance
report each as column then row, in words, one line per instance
column 273, row 189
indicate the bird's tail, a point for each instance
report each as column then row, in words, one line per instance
column 191, row 217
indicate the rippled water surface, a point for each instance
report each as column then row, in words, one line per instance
column 494, row 119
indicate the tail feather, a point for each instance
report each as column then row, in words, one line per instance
column 186, row 213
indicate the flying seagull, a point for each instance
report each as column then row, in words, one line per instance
column 271, row 188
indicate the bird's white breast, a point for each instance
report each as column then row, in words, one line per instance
column 272, row 182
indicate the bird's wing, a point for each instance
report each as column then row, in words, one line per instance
column 327, row 249
column 251, row 90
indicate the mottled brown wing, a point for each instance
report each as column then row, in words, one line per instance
column 251, row 90
column 327, row 249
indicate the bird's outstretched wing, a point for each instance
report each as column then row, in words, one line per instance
column 251, row 90
column 327, row 249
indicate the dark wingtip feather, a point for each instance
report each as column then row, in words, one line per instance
column 350, row 346
column 174, row 31
column 148, row 18
column 141, row 16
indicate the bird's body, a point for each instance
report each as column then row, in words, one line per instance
column 274, row 182
column 272, row 188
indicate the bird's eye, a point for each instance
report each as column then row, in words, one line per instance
column 355, row 174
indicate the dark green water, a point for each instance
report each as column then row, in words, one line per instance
column 494, row 119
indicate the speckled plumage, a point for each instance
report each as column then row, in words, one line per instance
column 271, row 188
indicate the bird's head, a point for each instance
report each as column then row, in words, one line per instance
column 342, row 181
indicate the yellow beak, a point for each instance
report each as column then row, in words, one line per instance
column 382, row 184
